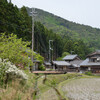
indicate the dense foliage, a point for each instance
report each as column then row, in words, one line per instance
column 14, row 49
column 89, row 35
column 17, row 51
column 18, row 21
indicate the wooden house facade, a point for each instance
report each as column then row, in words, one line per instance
column 92, row 63
column 60, row 66
column 64, row 66
column 74, row 61
column 48, row 65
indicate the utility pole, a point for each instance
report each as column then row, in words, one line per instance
column 33, row 15
column 9, row 1
column 50, row 50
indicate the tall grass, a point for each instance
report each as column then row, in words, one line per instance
column 19, row 89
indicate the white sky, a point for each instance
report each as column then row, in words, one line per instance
column 80, row 11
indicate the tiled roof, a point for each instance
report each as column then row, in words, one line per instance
column 76, row 63
column 69, row 57
column 61, row 63
column 94, row 53
column 47, row 63
column 87, row 63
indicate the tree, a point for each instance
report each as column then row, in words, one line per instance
column 14, row 49
column 63, row 55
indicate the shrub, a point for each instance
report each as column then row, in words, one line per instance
column 17, row 51
column 3, row 69
column 10, row 71
column 89, row 73
column 14, row 49
column 42, row 68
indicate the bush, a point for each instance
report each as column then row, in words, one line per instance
column 3, row 69
column 42, row 68
column 89, row 73
column 14, row 49
column 10, row 71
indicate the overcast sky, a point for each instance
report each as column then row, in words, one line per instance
column 80, row 11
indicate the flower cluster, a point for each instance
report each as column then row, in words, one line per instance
column 12, row 69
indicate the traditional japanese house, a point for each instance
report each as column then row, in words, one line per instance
column 48, row 65
column 75, row 65
column 60, row 66
column 69, row 58
column 74, row 61
column 92, row 63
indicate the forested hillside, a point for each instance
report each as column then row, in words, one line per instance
column 18, row 80
column 17, row 21
column 90, row 36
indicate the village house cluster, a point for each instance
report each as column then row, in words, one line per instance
column 73, row 63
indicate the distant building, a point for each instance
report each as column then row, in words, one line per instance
column 48, row 65
column 75, row 65
column 60, row 65
column 92, row 63
column 74, row 61
column 69, row 58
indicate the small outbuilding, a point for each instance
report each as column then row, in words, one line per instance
column 60, row 65
column 48, row 65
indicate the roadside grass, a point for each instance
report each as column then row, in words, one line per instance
column 18, row 89
column 42, row 87
column 45, row 91
column 62, row 77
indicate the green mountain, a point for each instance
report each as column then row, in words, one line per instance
column 17, row 21
column 90, row 36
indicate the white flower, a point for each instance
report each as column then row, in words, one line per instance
column 12, row 69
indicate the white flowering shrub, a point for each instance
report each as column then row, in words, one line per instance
column 13, row 70
column 6, row 68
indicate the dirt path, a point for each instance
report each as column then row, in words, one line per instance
column 49, row 95
column 83, row 89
